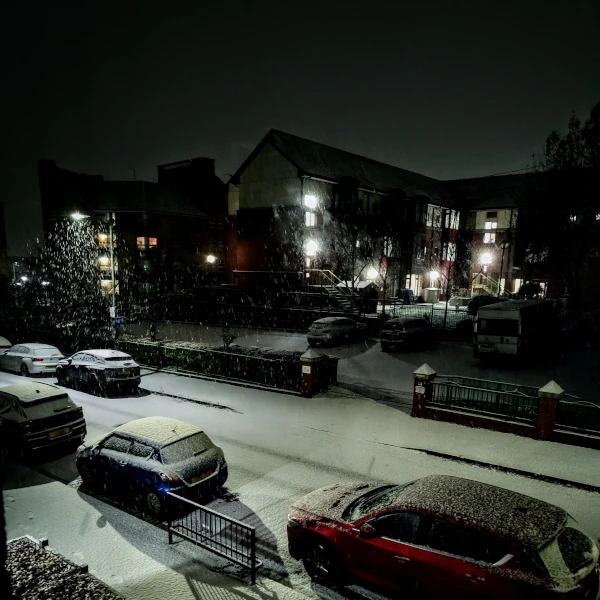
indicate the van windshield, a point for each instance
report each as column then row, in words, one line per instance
column 498, row 327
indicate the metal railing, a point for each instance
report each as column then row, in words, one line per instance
column 575, row 414
column 217, row 533
column 503, row 401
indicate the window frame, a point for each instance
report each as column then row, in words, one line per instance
column 489, row 237
column 413, row 542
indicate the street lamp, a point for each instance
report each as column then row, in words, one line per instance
column 210, row 259
column 77, row 216
column 372, row 273
column 434, row 275
column 504, row 245
column 485, row 259
column 311, row 248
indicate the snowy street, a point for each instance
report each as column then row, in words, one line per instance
column 278, row 448
column 364, row 366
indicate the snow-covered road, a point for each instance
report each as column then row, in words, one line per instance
column 279, row 447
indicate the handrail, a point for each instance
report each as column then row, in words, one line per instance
column 333, row 280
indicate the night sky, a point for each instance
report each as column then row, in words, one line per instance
column 447, row 88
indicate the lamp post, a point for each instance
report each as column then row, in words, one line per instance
column 504, row 245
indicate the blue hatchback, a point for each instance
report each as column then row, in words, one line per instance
column 153, row 456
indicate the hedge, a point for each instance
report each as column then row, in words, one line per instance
column 265, row 366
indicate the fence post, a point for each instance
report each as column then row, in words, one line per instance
column 312, row 373
column 549, row 397
column 423, row 389
column 253, row 556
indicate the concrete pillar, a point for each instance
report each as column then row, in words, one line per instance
column 422, row 390
column 311, row 373
column 550, row 396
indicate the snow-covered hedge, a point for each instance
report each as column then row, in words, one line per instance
column 265, row 366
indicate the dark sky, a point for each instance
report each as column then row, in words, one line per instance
column 445, row 88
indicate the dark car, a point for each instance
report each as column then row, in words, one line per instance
column 477, row 302
column 335, row 330
column 153, row 456
column 406, row 333
column 99, row 370
column 444, row 537
column 36, row 416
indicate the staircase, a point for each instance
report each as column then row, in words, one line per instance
column 483, row 283
column 327, row 281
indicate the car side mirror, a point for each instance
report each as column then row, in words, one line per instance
column 367, row 531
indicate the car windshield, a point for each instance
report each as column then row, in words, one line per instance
column 186, row 448
column 373, row 501
column 47, row 407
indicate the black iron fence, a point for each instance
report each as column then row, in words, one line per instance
column 437, row 315
column 217, row 533
column 575, row 414
column 502, row 400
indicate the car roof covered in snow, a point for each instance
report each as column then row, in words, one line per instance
column 507, row 514
column 33, row 392
column 105, row 353
column 402, row 320
column 159, row 430
column 329, row 320
column 34, row 346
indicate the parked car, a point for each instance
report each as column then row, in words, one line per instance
column 335, row 330
column 446, row 537
column 38, row 415
column 406, row 333
column 31, row 359
column 98, row 370
column 477, row 302
column 4, row 344
column 153, row 456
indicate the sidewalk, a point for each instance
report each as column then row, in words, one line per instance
column 352, row 416
column 129, row 554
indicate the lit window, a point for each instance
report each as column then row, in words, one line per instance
column 491, row 225
column 310, row 218
column 307, row 261
column 141, row 243
column 597, row 216
column 103, row 240
column 489, row 238
column 451, row 255
column 573, row 218
column 152, row 242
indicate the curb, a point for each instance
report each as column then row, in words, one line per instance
column 546, row 478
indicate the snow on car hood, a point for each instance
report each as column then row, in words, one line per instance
column 330, row 502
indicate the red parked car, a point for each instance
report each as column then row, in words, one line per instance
column 444, row 537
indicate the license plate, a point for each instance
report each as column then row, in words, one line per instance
column 58, row 432
column 202, row 476
column 124, row 372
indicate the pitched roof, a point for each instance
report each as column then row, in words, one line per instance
column 325, row 162
column 495, row 191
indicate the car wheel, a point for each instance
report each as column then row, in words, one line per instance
column 322, row 564
column 24, row 371
column 60, row 378
column 95, row 388
column 154, row 503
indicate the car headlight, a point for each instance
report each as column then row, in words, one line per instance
column 81, row 448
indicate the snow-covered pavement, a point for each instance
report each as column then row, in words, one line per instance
column 278, row 447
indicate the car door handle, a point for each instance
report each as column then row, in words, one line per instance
column 402, row 559
column 475, row 578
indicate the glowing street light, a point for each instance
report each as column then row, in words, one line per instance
column 372, row 273
column 24, row 278
column 77, row 216
column 310, row 201
column 45, row 283
column 311, row 248
column 210, row 259
column 434, row 276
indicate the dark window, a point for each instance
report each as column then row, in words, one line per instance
column 399, row 526
column 373, row 501
column 492, row 215
column 5, row 404
column 115, row 442
column 459, row 540
column 141, row 450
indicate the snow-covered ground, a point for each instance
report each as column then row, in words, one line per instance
column 278, row 448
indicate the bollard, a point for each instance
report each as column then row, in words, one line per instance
column 422, row 390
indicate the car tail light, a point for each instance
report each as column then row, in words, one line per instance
column 37, row 360
column 24, row 423
column 169, row 478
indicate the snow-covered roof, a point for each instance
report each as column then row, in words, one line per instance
column 105, row 353
column 509, row 515
column 33, row 392
column 160, row 430
column 328, row 320
column 34, row 346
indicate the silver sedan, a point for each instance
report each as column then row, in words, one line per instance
column 31, row 358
